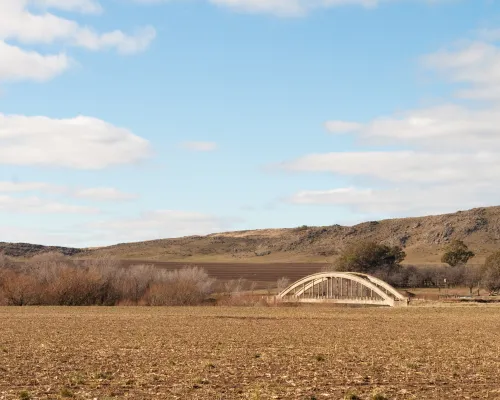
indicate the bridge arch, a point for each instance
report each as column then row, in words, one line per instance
column 343, row 288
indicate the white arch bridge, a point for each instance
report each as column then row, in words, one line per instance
column 343, row 288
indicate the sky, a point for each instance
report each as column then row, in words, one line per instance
column 130, row 120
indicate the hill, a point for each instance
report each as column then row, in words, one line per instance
column 423, row 239
column 29, row 250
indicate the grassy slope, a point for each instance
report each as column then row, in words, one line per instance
column 423, row 239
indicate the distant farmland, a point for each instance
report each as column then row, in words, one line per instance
column 261, row 273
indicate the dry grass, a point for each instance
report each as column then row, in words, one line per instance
column 424, row 239
column 249, row 353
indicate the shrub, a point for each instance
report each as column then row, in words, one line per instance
column 19, row 289
column 491, row 273
column 282, row 284
column 188, row 286
column 24, row 395
column 457, row 253
column 53, row 279
column 370, row 257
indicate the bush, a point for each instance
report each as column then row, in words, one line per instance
column 457, row 253
column 19, row 289
column 491, row 273
column 370, row 257
column 53, row 279
column 188, row 286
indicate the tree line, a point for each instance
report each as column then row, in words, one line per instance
column 53, row 279
column 385, row 261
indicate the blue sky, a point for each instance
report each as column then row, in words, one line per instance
column 125, row 120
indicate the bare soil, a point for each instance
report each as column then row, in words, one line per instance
column 250, row 353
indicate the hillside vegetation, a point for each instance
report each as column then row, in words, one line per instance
column 422, row 238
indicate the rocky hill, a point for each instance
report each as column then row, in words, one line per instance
column 29, row 250
column 423, row 239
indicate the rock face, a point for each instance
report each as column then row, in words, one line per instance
column 423, row 239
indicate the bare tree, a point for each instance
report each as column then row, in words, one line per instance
column 472, row 277
column 187, row 286
column 282, row 283
column 491, row 273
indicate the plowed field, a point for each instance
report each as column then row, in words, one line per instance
column 250, row 353
column 261, row 273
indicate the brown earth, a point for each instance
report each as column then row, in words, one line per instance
column 261, row 274
column 423, row 239
column 220, row 353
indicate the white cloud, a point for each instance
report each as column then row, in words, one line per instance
column 160, row 224
column 36, row 205
column 18, row 23
column 83, row 6
column 103, row 194
column 21, row 25
column 125, row 44
column 403, row 166
column 18, row 187
column 448, row 158
column 150, row 225
column 447, row 143
column 199, row 146
column 289, row 8
column 96, row 193
column 18, row 64
column 403, row 200
column 476, row 63
column 445, row 127
column 81, row 142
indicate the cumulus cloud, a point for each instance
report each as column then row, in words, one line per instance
column 161, row 224
column 29, row 22
column 81, row 142
column 18, row 64
column 18, row 187
column 103, row 194
column 451, row 162
column 403, row 166
column 444, row 127
column 150, row 225
column 289, row 8
column 199, row 146
column 36, row 205
column 95, row 193
column 405, row 200
column 474, row 63
column 445, row 157
column 83, row 6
